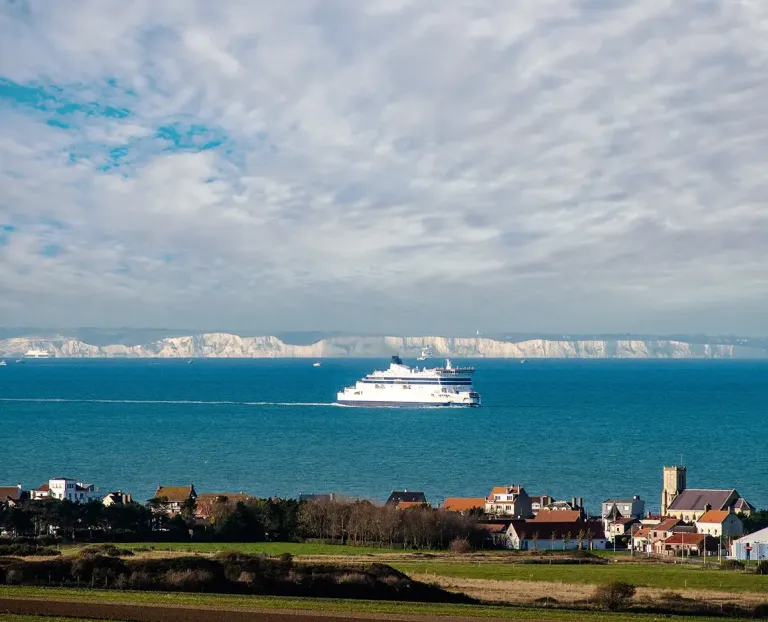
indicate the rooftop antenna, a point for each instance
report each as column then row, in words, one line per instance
column 681, row 459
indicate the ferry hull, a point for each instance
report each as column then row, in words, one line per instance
column 380, row 404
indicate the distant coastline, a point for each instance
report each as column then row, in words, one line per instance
column 228, row 345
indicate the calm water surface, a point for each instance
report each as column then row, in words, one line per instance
column 268, row 427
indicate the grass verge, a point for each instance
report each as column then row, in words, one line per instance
column 269, row 548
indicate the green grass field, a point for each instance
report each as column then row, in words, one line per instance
column 666, row 576
column 318, row 604
column 270, row 548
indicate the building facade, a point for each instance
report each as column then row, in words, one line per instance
column 510, row 501
column 675, row 480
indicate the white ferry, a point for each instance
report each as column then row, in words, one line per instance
column 35, row 353
column 401, row 385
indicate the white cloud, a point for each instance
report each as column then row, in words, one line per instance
column 388, row 166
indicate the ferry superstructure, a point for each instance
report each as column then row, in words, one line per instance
column 36, row 353
column 401, row 385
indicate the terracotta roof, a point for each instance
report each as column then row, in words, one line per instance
column 642, row 532
column 463, row 504
column 504, row 490
column 557, row 516
column 692, row 499
column 175, row 494
column 623, row 521
column 714, row 516
column 9, row 492
column 685, row 538
column 43, row 488
column 404, row 505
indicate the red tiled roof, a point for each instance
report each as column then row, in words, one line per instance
column 685, row 538
column 463, row 504
column 404, row 505
column 557, row 516
column 666, row 524
column 44, row 488
column 642, row 532
column 494, row 527
column 9, row 492
column 175, row 494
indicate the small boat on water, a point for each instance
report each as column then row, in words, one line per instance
column 316, row 364
column 3, row 363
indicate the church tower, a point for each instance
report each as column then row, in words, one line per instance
column 674, row 484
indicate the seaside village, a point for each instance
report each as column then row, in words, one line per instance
column 691, row 521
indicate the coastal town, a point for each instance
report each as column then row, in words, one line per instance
column 691, row 522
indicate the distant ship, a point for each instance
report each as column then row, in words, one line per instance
column 425, row 354
column 401, row 385
column 316, row 364
column 35, row 353
column 3, row 363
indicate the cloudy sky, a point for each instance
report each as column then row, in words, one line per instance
column 386, row 165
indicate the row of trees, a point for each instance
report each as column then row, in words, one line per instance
column 362, row 522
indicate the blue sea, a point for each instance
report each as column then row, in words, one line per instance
column 592, row 429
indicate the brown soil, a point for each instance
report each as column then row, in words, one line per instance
column 169, row 613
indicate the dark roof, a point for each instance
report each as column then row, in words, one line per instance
column 621, row 500
column 544, row 531
column 743, row 504
column 692, row 499
column 398, row 496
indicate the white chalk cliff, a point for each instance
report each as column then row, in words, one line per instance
column 225, row 345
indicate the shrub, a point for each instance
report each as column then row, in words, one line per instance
column 460, row 545
column 189, row 580
column 762, row 567
column 546, row 601
column 614, row 596
column 761, row 610
column 672, row 597
column 108, row 550
column 731, row 564
column 26, row 550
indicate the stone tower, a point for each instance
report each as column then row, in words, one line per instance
column 674, row 484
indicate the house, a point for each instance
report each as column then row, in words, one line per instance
column 497, row 530
column 116, row 498
column 535, row 535
column 540, row 501
column 44, row 492
column 663, row 529
column 172, row 498
column 620, row 527
column 405, row 505
column 557, row 516
column 206, row 502
column 690, row 504
column 753, row 546
column 719, row 523
column 510, row 501
column 397, row 497
column 686, row 544
column 62, row 488
column 615, row 509
column 464, row 505
column 11, row 495
column 640, row 539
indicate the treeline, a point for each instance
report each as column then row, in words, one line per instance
column 361, row 522
column 256, row 520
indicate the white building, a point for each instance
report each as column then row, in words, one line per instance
column 510, row 501
column 718, row 523
column 64, row 488
column 751, row 547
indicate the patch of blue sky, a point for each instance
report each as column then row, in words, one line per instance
column 191, row 136
column 56, row 100
column 51, row 250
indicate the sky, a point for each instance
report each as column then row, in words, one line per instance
column 385, row 166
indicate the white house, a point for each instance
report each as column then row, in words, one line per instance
column 753, row 546
column 718, row 523
column 64, row 488
column 510, row 501
column 546, row 536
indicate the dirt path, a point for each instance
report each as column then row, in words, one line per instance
column 171, row 613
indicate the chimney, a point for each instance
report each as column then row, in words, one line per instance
column 707, row 507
